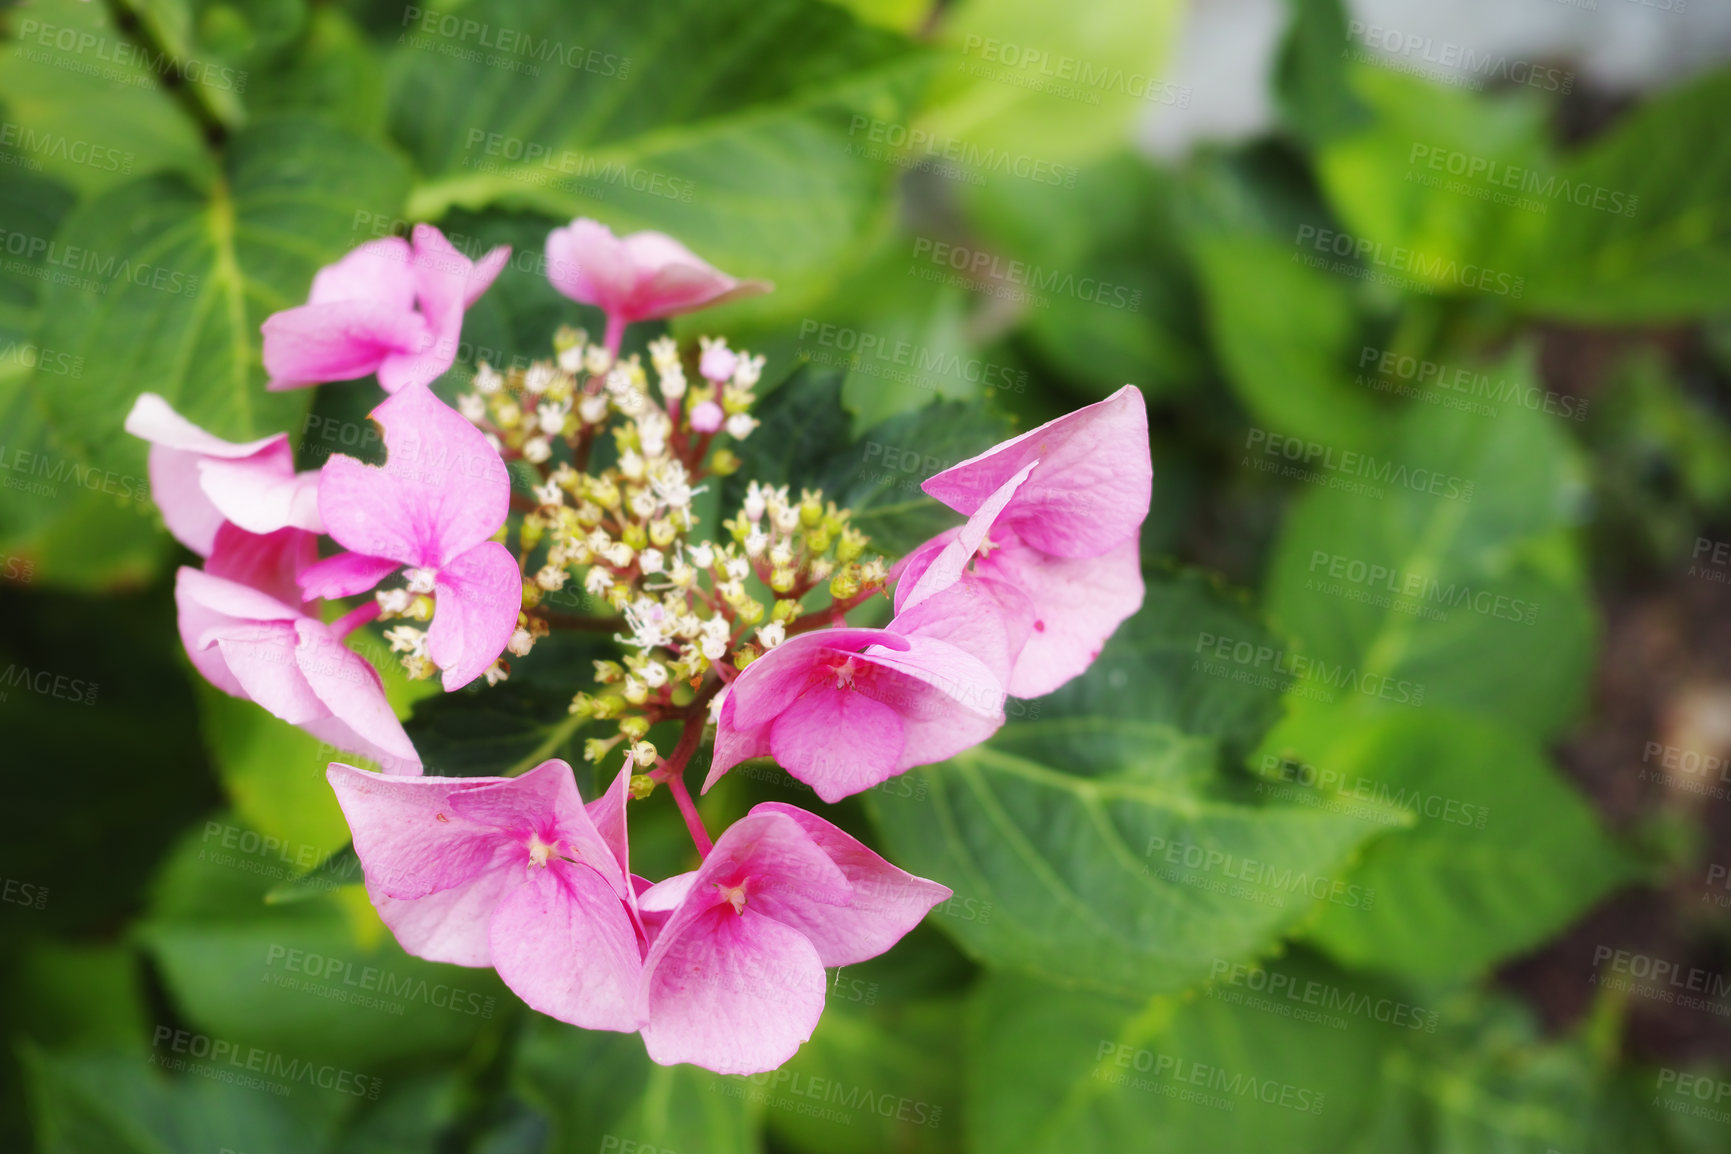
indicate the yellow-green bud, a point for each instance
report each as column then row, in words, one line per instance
column 531, row 594
column 582, row 705
column 744, row 657
column 609, row 706
column 597, row 748
column 608, row 672
column 810, row 510
column 661, row 532
column 724, row 462
column 421, row 608
column 750, row 612
column 782, row 580
column 640, row 786
column 844, row 584
column 619, row 596
column 785, row 611
column 533, row 530
column 635, row 691
column 819, row 540
column 850, row 546
column 635, row 536
column 634, row 727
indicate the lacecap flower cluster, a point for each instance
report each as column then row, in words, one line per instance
column 737, row 632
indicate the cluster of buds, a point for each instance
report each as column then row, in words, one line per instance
column 692, row 611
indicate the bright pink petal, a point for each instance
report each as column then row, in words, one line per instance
column 770, row 682
column 838, row 741
column 340, row 341
column 478, row 597
column 1092, row 486
column 564, row 943
column 1078, row 603
column 411, row 838
column 736, row 993
column 947, row 566
column 607, row 815
column 948, row 700
column 885, row 904
column 982, row 617
column 544, row 803
column 377, row 272
column 345, row 574
column 352, row 692
column 270, row 563
column 672, row 279
column 734, row 744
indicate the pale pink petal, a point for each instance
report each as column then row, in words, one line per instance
column 587, row 263
column 982, row 617
column 451, row 925
column 672, row 279
column 411, row 838
column 668, row 895
column 345, row 574
column 948, row 700
column 906, row 573
column 485, row 272
column 767, row 684
column 544, row 803
column 607, row 814
column 261, row 655
column 736, row 993
column 178, row 450
column 230, row 599
column 1091, row 488
column 153, row 419
column 316, row 343
column 478, row 597
column 370, row 512
column 270, row 563
column 260, row 498
column 838, row 741
column 377, row 272
column 564, row 943
column 885, row 904
column 354, row 694
column 1078, row 603
column 734, row 744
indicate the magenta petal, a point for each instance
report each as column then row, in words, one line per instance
column 948, row 700
column 838, row 741
column 607, row 814
column 734, row 744
column 479, row 596
column 316, row 343
column 377, row 272
column 770, row 682
column 411, row 839
column 1078, row 603
column 886, row 902
column 345, row 574
column 270, row 563
column 354, row 694
column 733, row 993
column 1090, row 491
column 562, row 940
column 947, row 566
column 987, row 619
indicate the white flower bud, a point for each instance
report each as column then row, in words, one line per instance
column 740, row 425
column 650, row 560
column 703, row 554
column 593, row 409
column 520, row 644
column 537, row 450
column 772, row 634
column 487, row 379
column 571, row 360
column 473, row 408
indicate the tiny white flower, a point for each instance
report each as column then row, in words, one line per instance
column 552, row 417
column 703, row 555
column 537, row 450
column 487, row 379
column 745, row 375
column 593, row 409
column 618, row 554
column 754, row 502
column 740, row 425
column 571, row 360
column 714, row 650
column 539, row 377
column 650, row 560
column 598, row 581
column 521, row 642
column 772, row 634
column 473, row 408
column 597, row 359
column 654, row 674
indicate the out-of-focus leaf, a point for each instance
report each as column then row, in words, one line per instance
column 172, row 283
column 1500, row 855
column 1310, row 75
column 726, row 125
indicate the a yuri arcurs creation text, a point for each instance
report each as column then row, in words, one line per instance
column 736, row 632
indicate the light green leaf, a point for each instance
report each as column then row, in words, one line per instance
column 172, row 282
column 1455, row 581
column 1500, row 855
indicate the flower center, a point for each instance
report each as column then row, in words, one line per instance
column 844, row 673
column 540, row 851
column 733, row 896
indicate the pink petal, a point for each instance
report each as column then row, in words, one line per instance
column 668, row 895
column 607, row 814
column 947, row 566
column 1090, row 491
column 345, row 574
column 340, row 341
column 982, row 617
column 153, row 419
column 270, row 563
column 587, row 263
column 352, row 692
column 1078, row 603
column 377, row 272
column 261, row 655
column 885, row 904
column 178, row 450
column 451, row 925
column 838, row 741
column 733, row 993
column 770, row 682
column 672, row 279
column 262, row 499
column 948, row 699
column 564, row 943
column 543, row 802
column 441, row 491
column 478, row 598
column 734, row 744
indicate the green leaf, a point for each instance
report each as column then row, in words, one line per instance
column 1647, row 232
column 173, row 282
column 592, row 1085
column 725, row 124
column 1473, row 601
column 803, row 428
column 1029, row 79
column 1501, row 853
column 341, row 868
column 1062, row 1072
column 1310, row 81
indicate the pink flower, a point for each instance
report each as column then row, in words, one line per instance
column 844, row 709
column 1052, row 538
column 640, row 277
column 200, row 480
column 515, row 873
column 387, row 308
column 245, row 630
column 440, row 495
column 734, row 980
